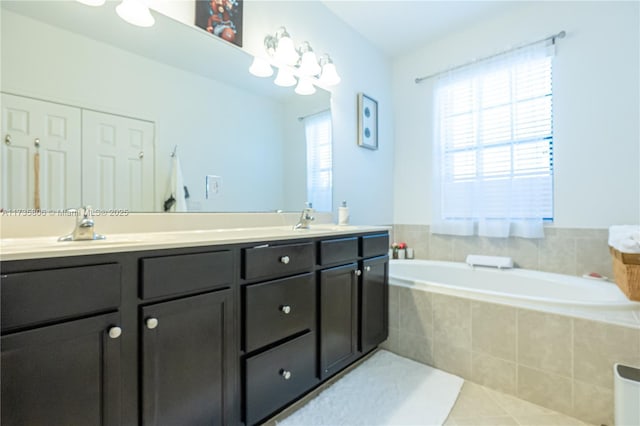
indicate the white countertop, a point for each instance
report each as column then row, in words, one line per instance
column 44, row 247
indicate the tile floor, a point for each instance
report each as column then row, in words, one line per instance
column 481, row 406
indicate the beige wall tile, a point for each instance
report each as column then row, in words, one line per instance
column 493, row 330
column 592, row 404
column 392, row 343
column 557, row 255
column 440, row 247
column 452, row 359
column 592, row 255
column 415, row 312
column 597, row 346
column 544, row 342
column 463, row 246
column 452, row 320
column 524, row 252
column 417, row 348
column 394, row 311
column 493, row 372
column 546, row 389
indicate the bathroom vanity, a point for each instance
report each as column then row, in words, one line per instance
column 223, row 332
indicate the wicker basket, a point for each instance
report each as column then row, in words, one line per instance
column 626, row 270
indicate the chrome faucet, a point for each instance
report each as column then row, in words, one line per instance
column 305, row 218
column 84, row 226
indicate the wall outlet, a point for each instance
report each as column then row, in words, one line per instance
column 213, row 185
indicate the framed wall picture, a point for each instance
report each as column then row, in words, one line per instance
column 222, row 18
column 367, row 122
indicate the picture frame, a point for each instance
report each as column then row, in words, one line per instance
column 222, row 18
column 367, row 122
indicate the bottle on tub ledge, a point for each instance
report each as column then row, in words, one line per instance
column 343, row 214
column 400, row 251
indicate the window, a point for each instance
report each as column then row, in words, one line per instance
column 319, row 160
column 494, row 146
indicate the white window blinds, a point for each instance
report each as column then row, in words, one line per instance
column 319, row 160
column 494, row 146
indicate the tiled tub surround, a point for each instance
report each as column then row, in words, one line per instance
column 563, row 250
column 556, row 361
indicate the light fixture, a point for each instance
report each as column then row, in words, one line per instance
column 300, row 66
column 329, row 76
column 135, row 12
column 285, row 51
column 308, row 61
column 92, row 2
column 285, row 78
column 305, row 87
column 260, row 67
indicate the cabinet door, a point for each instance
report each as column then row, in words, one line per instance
column 338, row 318
column 57, row 128
column 374, row 303
column 188, row 363
column 117, row 162
column 66, row 374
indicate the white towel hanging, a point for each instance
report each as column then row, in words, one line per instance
column 175, row 200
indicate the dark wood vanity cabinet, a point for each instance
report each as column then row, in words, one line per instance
column 187, row 360
column 219, row 335
column 63, row 374
column 61, row 345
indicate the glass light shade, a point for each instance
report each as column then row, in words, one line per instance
column 329, row 75
column 305, row 87
column 286, row 52
column 92, row 2
column 309, row 64
column 260, row 68
column 285, row 78
column 135, row 12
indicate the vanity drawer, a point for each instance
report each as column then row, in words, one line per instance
column 169, row 275
column 278, row 376
column 274, row 261
column 32, row 298
column 339, row 250
column 277, row 309
column 375, row 245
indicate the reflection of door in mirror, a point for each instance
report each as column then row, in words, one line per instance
column 57, row 129
column 117, row 162
column 117, row 157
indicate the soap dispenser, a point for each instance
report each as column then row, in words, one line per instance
column 343, row 214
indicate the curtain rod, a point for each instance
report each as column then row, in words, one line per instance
column 553, row 38
column 315, row 113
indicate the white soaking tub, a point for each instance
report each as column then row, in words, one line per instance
column 545, row 291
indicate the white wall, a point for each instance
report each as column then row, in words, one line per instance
column 596, row 108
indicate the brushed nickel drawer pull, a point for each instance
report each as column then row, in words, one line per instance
column 115, row 332
column 285, row 374
column 284, row 259
column 285, row 309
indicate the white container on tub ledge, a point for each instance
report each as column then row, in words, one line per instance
column 492, row 261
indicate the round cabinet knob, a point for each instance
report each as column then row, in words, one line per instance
column 286, row 374
column 358, row 272
column 285, row 309
column 115, row 332
column 284, row 259
column 151, row 323
column 367, row 268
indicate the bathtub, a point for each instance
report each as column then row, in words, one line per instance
column 545, row 291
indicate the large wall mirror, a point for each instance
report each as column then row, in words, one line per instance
column 77, row 79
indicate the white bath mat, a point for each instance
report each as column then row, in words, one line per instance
column 386, row 389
